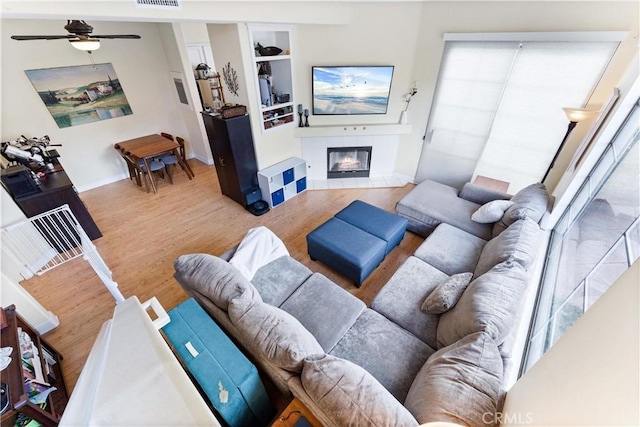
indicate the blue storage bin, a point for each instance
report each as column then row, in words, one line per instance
column 288, row 176
column 277, row 197
column 226, row 376
column 301, row 184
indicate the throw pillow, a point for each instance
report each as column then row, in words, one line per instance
column 273, row 333
column 204, row 275
column 460, row 384
column 491, row 304
column 530, row 202
column 446, row 294
column 350, row 395
column 491, row 212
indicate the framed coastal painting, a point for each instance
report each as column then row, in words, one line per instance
column 350, row 90
column 80, row 94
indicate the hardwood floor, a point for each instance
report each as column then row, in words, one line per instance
column 145, row 232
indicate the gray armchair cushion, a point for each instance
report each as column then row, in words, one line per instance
column 490, row 304
column 324, row 309
column 530, row 202
column 447, row 294
column 519, row 243
column 213, row 278
column 480, row 194
column 350, row 395
column 432, row 203
column 459, row 384
column 277, row 280
column 400, row 299
column 451, row 250
column 388, row 352
column 273, row 333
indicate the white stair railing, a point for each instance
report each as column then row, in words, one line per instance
column 48, row 240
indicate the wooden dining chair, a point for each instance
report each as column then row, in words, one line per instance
column 171, row 159
column 134, row 171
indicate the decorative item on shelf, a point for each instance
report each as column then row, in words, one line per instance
column 306, row 118
column 407, row 99
column 203, row 71
column 231, row 78
column 267, row 51
column 229, row 111
column 300, row 112
column 282, row 98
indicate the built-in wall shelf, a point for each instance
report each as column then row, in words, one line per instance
column 352, row 130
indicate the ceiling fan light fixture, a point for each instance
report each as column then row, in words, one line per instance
column 87, row 45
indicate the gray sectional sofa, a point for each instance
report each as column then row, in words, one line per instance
column 432, row 346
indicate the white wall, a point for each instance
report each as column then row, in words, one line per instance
column 591, row 376
column 87, row 150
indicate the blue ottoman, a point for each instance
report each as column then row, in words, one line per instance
column 346, row 248
column 385, row 225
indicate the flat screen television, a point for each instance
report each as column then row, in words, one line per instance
column 351, row 90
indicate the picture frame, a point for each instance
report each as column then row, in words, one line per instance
column 80, row 94
column 351, row 89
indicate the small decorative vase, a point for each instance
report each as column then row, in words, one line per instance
column 403, row 117
column 306, row 118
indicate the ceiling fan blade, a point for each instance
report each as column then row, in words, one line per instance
column 116, row 36
column 45, row 37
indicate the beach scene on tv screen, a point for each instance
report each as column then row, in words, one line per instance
column 351, row 90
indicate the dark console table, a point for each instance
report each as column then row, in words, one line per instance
column 57, row 190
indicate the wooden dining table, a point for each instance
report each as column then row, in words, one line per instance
column 150, row 146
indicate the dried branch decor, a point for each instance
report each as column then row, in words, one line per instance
column 230, row 78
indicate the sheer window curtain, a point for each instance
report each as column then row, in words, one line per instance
column 497, row 110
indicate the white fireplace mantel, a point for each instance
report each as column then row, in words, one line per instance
column 352, row 130
column 383, row 138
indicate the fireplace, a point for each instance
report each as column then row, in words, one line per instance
column 348, row 162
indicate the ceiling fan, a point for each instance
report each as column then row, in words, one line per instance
column 80, row 36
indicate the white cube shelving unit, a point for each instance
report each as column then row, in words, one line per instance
column 282, row 181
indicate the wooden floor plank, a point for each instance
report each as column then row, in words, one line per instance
column 143, row 233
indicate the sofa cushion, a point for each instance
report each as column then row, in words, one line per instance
column 491, row 212
column 447, row 294
column 480, row 194
column 277, row 280
column 350, row 395
column 400, row 299
column 273, row 333
column 459, row 384
column 433, row 203
column 451, row 250
column 324, row 309
column 490, row 303
column 213, row 278
column 389, row 353
column 530, row 202
column 519, row 242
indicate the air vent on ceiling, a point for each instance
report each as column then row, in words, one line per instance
column 159, row 4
